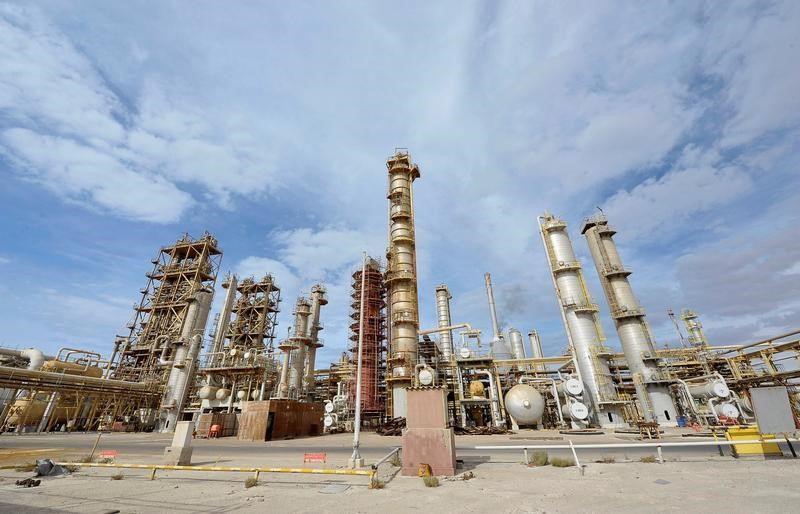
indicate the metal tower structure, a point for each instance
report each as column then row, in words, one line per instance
column 401, row 280
column 443, row 298
column 165, row 317
column 373, row 351
column 294, row 352
column 580, row 318
column 241, row 359
column 697, row 336
column 652, row 389
column 318, row 299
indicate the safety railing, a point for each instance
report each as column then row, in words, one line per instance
column 370, row 473
column 657, row 445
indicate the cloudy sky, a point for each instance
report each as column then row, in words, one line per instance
column 125, row 124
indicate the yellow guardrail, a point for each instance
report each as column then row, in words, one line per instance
column 371, row 473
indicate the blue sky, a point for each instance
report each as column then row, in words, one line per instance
column 125, row 124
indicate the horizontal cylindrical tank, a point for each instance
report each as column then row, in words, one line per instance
column 715, row 389
column 524, row 404
column 726, row 409
column 207, row 392
column 221, row 394
column 241, row 395
column 571, row 386
column 575, row 410
column 72, row 368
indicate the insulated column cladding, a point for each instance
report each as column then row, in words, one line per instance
column 401, row 280
column 634, row 333
column 580, row 320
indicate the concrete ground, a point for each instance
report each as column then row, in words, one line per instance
column 690, row 480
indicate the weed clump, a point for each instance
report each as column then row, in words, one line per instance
column 251, row 482
column 607, row 459
column 648, row 459
column 538, row 459
column 118, row 476
column 562, row 462
column 431, row 481
column 377, row 484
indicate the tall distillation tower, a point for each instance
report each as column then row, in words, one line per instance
column 634, row 332
column 401, row 281
column 581, row 321
column 318, row 299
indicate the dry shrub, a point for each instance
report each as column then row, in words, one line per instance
column 431, row 481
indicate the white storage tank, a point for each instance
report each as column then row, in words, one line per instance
column 207, row 392
column 715, row 389
column 222, row 394
column 524, row 404
column 575, row 410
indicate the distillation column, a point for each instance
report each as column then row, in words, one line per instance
column 634, row 332
column 443, row 297
column 401, row 280
column 294, row 351
column 499, row 348
column 224, row 318
column 581, row 321
column 318, row 299
column 301, row 341
column 184, row 362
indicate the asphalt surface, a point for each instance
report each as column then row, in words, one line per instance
column 338, row 447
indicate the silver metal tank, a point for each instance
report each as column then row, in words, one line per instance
column 632, row 327
column 318, row 299
column 184, row 362
column 575, row 410
column 712, row 389
column 224, row 318
column 579, row 314
column 517, row 344
column 443, row 297
column 536, row 344
column 524, row 404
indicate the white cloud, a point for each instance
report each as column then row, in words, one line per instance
column 77, row 171
column 667, row 203
column 102, row 154
column 762, row 79
column 4, row 260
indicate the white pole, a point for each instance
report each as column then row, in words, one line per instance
column 355, row 460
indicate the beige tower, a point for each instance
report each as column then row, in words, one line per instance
column 652, row 390
column 401, row 281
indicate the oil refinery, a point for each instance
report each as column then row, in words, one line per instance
column 233, row 375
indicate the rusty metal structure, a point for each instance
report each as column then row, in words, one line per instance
column 373, row 363
column 401, row 280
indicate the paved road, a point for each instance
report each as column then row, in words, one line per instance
column 146, row 447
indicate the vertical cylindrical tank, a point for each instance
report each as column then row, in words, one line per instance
column 184, row 359
column 443, row 297
column 401, row 277
column 224, row 317
column 300, row 340
column 580, row 318
column 535, row 344
column 517, row 344
column 318, row 299
column 629, row 318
